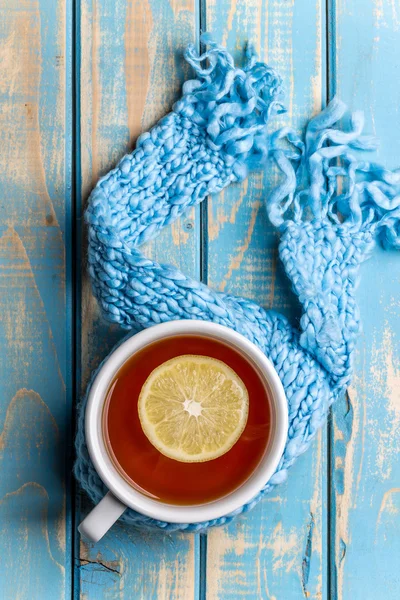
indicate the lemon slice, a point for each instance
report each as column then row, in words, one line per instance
column 193, row 408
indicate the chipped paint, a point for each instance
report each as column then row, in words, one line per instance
column 236, row 261
column 386, row 14
column 138, row 28
column 280, row 52
column 16, row 275
column 347, row 421
column 86, row 102
column 223, row 543
column 229, row 21
column 388, row 506
column 386, row 381
column 271, row 299
column 180, row 237
column 285, row 549
column 215, row 224
column 378, row 12
column 10, row 421
column 316, row 519
column 25, row 490
column 316, row 80
column 96, row 92
column 21, row 156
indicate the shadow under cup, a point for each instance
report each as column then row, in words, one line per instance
column 166, row 480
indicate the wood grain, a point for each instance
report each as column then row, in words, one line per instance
column 129, row 70
column 278, row 550
column 365, row 449
column 35, row 349
column 131, row 73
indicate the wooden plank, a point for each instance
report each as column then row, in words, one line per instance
column 365, row 445
column 277, row 550
column 131, row 72
column 35, row 348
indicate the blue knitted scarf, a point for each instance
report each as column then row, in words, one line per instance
column 330, row 206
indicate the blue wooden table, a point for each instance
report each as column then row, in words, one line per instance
column 79, row 80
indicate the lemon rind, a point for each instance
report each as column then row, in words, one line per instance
column 150, row 430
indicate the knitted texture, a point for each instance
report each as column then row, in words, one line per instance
column 329, row 208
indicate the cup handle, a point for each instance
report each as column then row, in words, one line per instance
column 101, row 518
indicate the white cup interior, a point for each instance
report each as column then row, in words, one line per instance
column 146, row 505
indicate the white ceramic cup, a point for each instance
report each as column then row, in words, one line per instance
column 122, row 494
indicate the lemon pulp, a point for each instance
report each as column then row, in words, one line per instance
column 193, row 408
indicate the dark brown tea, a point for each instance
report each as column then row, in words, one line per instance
column 166, row 479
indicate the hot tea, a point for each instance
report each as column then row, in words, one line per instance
column 151, row 471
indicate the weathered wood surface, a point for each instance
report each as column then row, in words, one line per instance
column 130, row 74
column 333, row 531
column 365, row 438
column 277, row 550
column 35, row 316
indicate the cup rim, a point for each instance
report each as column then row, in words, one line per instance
column 150, row 507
